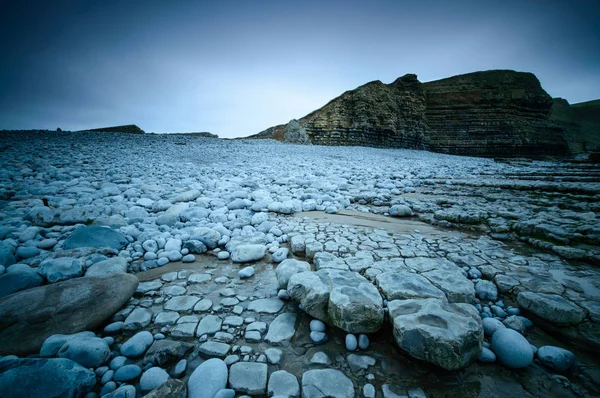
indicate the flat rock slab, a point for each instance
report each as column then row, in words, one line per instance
column 453, row 283
column 28, row 317
column 248, row 377
column 281, row 329
column 214, row 349
column 435, row 331
column 54, row 377
column 181, row 303
column 551, row 308
column 268, row 306
column 210, row 324
column 92, row 236
column 406, row 285
column 326, row 383
column 166, row 352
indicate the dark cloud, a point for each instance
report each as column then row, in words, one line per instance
column 237, row 67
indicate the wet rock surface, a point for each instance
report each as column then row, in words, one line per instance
column 487, row 246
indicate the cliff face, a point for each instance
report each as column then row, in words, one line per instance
column 580, row 123
column 492, row 113
column 374, row 114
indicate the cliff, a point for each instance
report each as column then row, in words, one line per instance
column 580, row 123
column 492, row 113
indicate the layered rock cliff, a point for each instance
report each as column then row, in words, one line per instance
column 375, row 114
column 492, row 113
column 580, row 123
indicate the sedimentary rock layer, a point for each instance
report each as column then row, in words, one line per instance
column 491, row 113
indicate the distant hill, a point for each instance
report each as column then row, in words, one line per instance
column 199, row 134
column 130, row 128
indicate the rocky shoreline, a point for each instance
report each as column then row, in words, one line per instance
column 174, row 266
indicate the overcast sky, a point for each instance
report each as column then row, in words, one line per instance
column 235, row 68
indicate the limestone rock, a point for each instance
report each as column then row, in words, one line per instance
column 491, row 113
column 551, row 307
column 405, row 285
column 447, row 335
column 295, row 133
column 341, row 298
column 326, row 383
column 287, row 268
column 248, row 377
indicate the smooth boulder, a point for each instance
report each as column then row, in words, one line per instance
column 28, row 317
column 247, row 253
column 12, row 282
column 208, row 379
column 512, row 349
column 90, row 352
column 556, row 358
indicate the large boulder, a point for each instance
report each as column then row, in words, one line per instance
column 435, row 331
column 341, row 298
column 51, row 378
column 93, row 236
column 28, row 317
column 295, row 133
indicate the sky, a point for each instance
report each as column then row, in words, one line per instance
column 235, row 68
